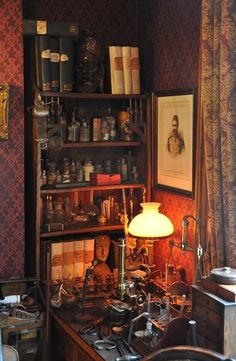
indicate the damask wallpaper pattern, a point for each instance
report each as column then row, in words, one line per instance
column 12, row 150
column 169, row 35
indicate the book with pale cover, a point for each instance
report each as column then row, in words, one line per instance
column 78, row 258
column 135, row 70
column 88, row 252
column 56, row 261
column 68, row 261
column 116, row 70
column 126, row 59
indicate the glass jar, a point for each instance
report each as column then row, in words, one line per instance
column 58, row 211
column 88, row 168
column 52, row 173
column 65, row 178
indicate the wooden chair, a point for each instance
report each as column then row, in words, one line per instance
column 185, row 353
column 9, row 353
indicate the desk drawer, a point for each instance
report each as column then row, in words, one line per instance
column 206, row 302
column 203, row 341
column 206, row 329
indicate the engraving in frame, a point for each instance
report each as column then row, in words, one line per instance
column 4, row 110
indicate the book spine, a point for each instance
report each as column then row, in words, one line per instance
column 126, row 59
column 135, row 69
column 50, row 28
column 66, row 64
column 116, row 65
column 54, row 64
column 42, row 45
column 88, row 252
column 56, row 261
column 68, row 260
column 78, row 258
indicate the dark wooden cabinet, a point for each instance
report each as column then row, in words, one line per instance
column 66, row 345
column 216, row 321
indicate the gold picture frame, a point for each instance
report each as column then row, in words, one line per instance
column 4, row 110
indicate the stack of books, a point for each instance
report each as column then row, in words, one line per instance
column 124, row 69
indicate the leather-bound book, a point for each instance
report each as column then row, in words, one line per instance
column 66, row 64
column 50, row 28
column 43, row 73
column 55, row 64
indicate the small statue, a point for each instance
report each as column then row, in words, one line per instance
column 89, row 67
column 102, row 247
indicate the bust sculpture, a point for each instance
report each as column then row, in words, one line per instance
column 102, row 248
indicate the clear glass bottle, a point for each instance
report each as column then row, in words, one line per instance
column 85, row 131
column 65, row 178
column 73, row 128
column 48, row 211
column 67, row 205
column 111, row 120
column 79, row 174
column 72, row 170
column 105, row 131
column 124, row 170
column 58, row 211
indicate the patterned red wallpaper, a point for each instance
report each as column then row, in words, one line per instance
column 12, row 150
column 115, row 22
column 169, row 34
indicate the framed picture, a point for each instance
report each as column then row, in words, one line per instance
column 174, row 115
column 4, row 110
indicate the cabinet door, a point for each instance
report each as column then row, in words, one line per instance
column 63, row 348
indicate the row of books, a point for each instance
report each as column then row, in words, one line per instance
column 124, row 69
column 55, row 66
column 69, row 260
column 54, row 63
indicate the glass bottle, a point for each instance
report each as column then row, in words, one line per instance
column 58, row 211
column 124, row 170
column 105, row 131
column 134, row 176
column 97, row 124
column 72, row 170
column 79, row 174
column 67, row 209
column 73, row 129
column 130, row 163
column 48, row 211
column 132, row 204
column 111, row 120
column 52, row 173
column 85, row 131
column 65, row 178
column 88, row 168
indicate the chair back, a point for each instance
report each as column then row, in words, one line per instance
column 9, row 353
column 186, row 353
